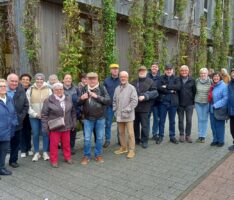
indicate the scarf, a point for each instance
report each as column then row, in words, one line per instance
column 61, row 101
column 92, row 88
column 210, row 95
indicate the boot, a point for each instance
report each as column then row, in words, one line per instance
column 121, row 150
column 131, row 154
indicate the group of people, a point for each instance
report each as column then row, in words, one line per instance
column 52, row 109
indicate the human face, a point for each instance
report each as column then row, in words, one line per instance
column 184, row 72
column 25, row 81
column 93, row 81
column 232, row 75
column 67, row 80
column 154, row 69
column 3, row 89
column 142, row 73
column 216, row 78
column 58, row 92
column 84, row 81
column 53, row 80
column 203, row 75
column 13, row 82
column 115, row 72
column 169, row 72
column 39, row 81
column 123, row 78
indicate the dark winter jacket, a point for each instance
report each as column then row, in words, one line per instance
column 52, row 109
column 169, row 95
column 94, row 108
column 111, row 84
column 231, row 98
column 187, row 92
column 156, row 80
column 147, row 88
column 8, row 119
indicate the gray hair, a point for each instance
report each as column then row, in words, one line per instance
column 3, row 81
column 53, row 76
column 203, row 70
column 40, row 75
column 11, row 75
column 124, row 73
column 57, row 85
column 184, row 67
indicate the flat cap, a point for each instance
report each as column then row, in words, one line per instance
column 92, row 75
column 168, row 66
column 142, row 68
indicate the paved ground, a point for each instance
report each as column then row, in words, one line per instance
column 161, row 172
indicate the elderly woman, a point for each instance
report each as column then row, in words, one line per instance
column 36, row 94
column 203, row 84
column 57, row 107
column 218, row 97
column 7, row 124
column 231, row 107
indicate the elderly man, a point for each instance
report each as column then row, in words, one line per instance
column 124, row 102
column 111, row 83
column 147, row 92
column 169, row 86
column 17, row 92
column 94, row 99
column 186, row 103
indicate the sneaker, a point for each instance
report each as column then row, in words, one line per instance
column 23, row 155
column 54, row 165
column 121, row 150
column 36, row 157
column 181, row 139
column 131, row 154
column 99, row 159
column 174, row 141
column 213, row 144
column 220, row 144
column 200, row 140
column 203, row 140
column 231, row 148
column 106, row 144
column 30, row 153
column 159, row 140
column 85, row 161
column 188, row 139
column 144, row 145
column 5, row 172
column 46, row 156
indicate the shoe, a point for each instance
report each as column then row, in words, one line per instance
column 121, row 150
column 54, row 165
column 5, row 172
column 73, row 151
column 99, row 159
column 174, row 141
column 30, row 153
column 154, row 137
column 85, row 161
column 137, row 141
column 213, row 144
column 23, row 155
column 181, row 139
column 131, row 154
column 46, row 156
column 220, row 144
column 106, row 144
column 14, row 165
column 144, row 145
column 159, row 140
column 231, row 148
column 188, row 139
column 200, row 140
column 70, row 162
column 203, row 140
column 36, row 157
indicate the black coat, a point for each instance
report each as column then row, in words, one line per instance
column 147, row 88
column 169, row 94
column 156, row 80
column 21, row 106
column 187, row 92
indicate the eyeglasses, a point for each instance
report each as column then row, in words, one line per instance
column 58, row 89
column 3, row 86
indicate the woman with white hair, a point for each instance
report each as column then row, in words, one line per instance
column 203, row 84
column 36, row 95
column 59, row 119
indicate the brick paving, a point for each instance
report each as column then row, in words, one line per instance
column 160, row 172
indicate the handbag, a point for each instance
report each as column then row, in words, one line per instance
column 221, row 113
column 56, row 123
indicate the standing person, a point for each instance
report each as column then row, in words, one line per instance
column 147, row 92
column 59, row 105
column 94, row 99
column 111, row 83
column 52, row 80
column 231, row 107
column 186, row 103
column 218, row 97
column 124, row 102
column 7, row 124
column 36, row 94
column 17, row 93
column 169, row 86
column 25, row 139
column 71, row 91
column 155, row 76
column 225, row 76
column 83, row 82
column 203, row 84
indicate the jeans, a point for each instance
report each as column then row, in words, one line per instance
column 37, row 129
column 25, row 139
column 4, row 146
column 89, row 126
column 232, row 127
column 188, row 111
column 218, row 129
column 14, row 144
column 163, row 109
column 155, row 111
column 202, row 117
column 141, row 134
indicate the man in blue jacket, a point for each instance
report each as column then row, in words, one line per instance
column 110, row 83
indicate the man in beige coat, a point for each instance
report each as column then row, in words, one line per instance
column 124, row 102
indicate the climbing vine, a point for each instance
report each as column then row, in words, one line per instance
column 30, row 32
column 180, row 6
